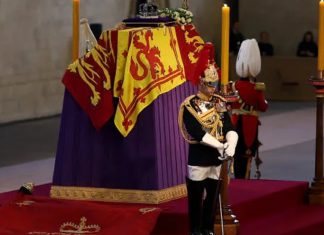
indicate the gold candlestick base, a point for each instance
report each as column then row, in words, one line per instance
column 318, row 83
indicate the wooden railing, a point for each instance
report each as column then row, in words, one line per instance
column 286, row 78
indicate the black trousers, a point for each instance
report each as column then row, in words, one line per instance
column 241, row 158
column 201, row 210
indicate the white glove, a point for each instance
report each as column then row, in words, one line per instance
column 231, row 138
column 223, row 155
column 211, row 141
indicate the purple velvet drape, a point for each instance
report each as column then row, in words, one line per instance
column 153, row 156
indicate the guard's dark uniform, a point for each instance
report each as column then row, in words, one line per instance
column 197, row 117
column 205, row 124
column 201, row 116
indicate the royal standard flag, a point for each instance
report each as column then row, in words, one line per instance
column 190, row 43
column 89, row 79
column 149, row 63
column 135, row 65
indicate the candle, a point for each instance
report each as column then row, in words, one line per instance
column 225, row 44
column 75, row 35
column 321, row 36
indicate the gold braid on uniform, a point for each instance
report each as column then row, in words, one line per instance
column 182, row 127
column 204, row 120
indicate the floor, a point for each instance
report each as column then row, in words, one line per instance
column 27, row 149
column 27, row 152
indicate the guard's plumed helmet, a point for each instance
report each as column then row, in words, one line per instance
column 206, row 69
column 248, row 62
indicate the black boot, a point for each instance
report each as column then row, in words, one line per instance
column 195, row 191
column 210, row 205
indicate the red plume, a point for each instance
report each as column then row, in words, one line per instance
column 206, row 57
column 219, row 72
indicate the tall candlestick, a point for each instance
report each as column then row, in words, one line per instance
column 225, row 44
column 321, row 37
column 75, row 36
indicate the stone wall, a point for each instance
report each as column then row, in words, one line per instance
column 36, row 41
column 35, row 46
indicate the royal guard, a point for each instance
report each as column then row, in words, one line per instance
column 206, row 125
column 245, row 112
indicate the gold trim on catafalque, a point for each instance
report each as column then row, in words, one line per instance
column 119, row 195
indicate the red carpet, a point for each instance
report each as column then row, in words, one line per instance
column 43, row 215
column 267, row 207
column 262, row 206
column 40, row 190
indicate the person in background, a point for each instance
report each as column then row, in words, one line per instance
column 307, row 47
column 205, row 124
column 236, row 38
column 266, row 48
column 246, row 109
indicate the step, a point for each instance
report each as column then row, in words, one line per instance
column 255, row 198
column 262, row 206
column 299, row 220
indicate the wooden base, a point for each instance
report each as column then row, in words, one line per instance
column 230, row 223
column 316, row 192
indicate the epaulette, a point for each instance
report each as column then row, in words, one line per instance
column 185, row 103
column 260, row 86
column 187, row 100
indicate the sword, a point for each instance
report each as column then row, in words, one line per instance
column 221, row 212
